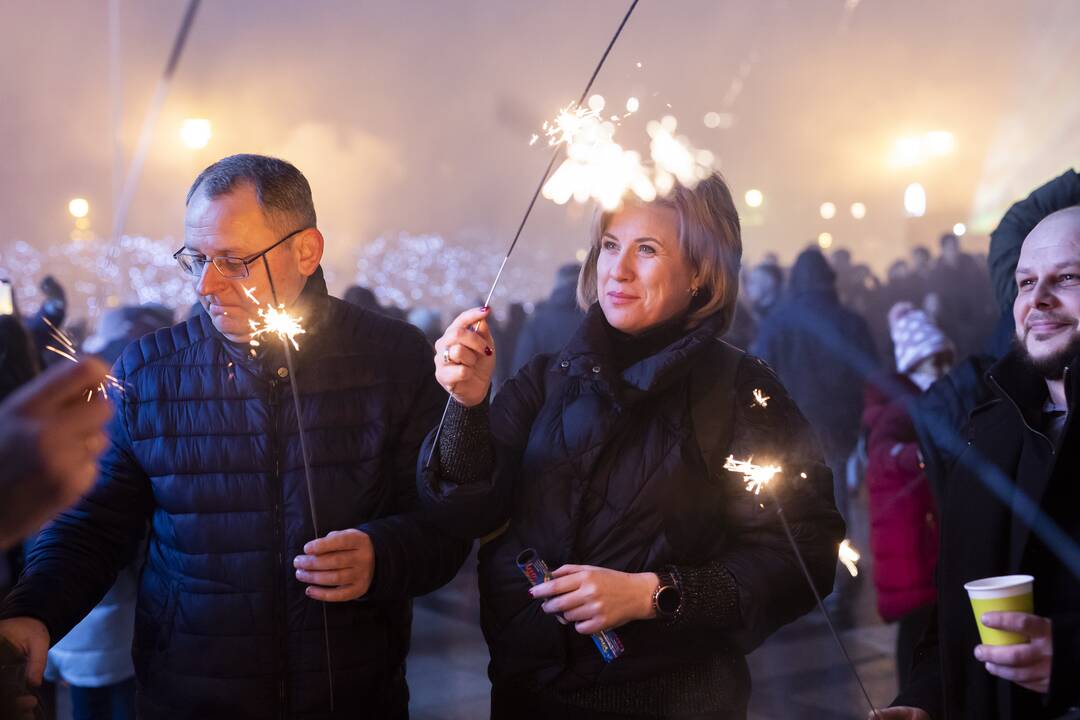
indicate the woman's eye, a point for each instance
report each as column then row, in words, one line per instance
column 1024, row 284
column 609, row 245
column 646, row 250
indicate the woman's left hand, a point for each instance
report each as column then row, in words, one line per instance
column 595, row 598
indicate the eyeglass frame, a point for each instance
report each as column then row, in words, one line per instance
column 245, row 260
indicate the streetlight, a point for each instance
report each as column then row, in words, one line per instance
column 79, row 207
column 195, row 133
column 824, row 240
column 915, row 200
column 959, row 229
column 754, row 198
column 828, row 211
column 858, row 210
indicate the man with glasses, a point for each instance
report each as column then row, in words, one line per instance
column 205, row 447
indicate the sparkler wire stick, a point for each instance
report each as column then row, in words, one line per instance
column 307, row 472
column 536, row 194
column 821, row 605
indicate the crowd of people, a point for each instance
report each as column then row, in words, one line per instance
column 236, row 529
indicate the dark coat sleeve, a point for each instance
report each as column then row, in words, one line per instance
column 412, row 555
column 758, row 561
column 1006, row 240
column 1064, row 690
column 77, row 557
column 924, row 687
column 468, row 486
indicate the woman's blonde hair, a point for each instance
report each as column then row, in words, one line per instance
column 711, row 240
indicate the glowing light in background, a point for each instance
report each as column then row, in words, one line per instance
column 195, row 133
column 714, row 120
column 915, row 200
column 754, row 198
column 580, row 255
column 824, row 240
column 79, row 207
column 632, row 105
column 919, row 149
column 858, row 210
column 596, row 103
column 959, row 229
column 828, row 210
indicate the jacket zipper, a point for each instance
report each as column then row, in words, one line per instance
column 280, row 579
column 1023, row 418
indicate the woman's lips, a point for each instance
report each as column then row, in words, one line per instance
column 617, row 298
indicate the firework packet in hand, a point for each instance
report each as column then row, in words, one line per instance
column 536, row 571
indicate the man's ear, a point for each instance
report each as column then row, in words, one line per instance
column 309, row 251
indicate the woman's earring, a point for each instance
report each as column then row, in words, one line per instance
column 694, row 291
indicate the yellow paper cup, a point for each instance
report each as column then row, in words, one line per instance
column 1007, row 593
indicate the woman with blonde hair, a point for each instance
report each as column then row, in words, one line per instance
column 606, row 461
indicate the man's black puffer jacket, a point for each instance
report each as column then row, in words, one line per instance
column 595, row 466
column 205, row 448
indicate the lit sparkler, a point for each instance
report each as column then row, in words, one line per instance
column 761, row 398
column 274, row 321
column 598, row 168
column 68, row 352
column 277, row 321
column 849, row 557
column 756, row 477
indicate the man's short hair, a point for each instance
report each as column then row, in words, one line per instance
column 282, row 190
column 949, row 239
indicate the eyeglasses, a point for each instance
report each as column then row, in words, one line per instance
column 231, row 268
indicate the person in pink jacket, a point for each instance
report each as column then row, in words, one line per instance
column 903, row 517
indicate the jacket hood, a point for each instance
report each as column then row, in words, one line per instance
column 812, row 272
column 881, row 391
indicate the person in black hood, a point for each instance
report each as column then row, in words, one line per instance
column 608, row 459
column 554, row 321
column 821, row 351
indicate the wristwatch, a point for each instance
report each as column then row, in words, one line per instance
column 667, row 599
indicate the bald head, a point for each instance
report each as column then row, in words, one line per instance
column 1047, row 307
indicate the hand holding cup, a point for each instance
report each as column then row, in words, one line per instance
column 465, row 357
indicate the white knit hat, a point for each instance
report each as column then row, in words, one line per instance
column 915, row 336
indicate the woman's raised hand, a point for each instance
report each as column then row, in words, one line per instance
column 465, row 358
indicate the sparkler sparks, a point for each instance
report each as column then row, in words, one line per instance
column 274, row 321
column 849, row 557
column 598, row 168
column 755, row 476
column 68, row 352
column 761, row 398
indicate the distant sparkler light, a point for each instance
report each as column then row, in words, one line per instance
column 761, row 398
column 849, row 557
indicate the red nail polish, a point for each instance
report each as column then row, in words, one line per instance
column 485, row 309
column 487, row 351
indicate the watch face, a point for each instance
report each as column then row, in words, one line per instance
column 667, row 600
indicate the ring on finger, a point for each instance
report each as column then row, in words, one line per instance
column 446, row 355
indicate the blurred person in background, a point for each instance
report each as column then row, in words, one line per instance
column 968, row 314
column 903, row 515
column 822, row 351
column 764, row 288
column 553, row 322
column 509, row 332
